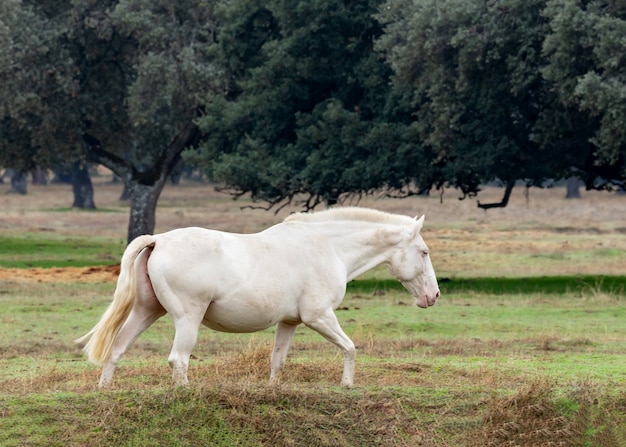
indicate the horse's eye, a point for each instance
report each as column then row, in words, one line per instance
column 424, row 253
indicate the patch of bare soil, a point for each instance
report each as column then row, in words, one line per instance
column 67, row 274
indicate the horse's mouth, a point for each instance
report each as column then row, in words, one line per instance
column 421, row 304
column 426, row 301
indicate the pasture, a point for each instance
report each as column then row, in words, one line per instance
column 526, row 346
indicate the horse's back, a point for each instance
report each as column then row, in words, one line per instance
column 281, row 245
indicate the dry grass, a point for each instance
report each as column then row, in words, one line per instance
column 47, row 208
column 399, row 402
column 531, row 418
column 544, row 235
column 307, row 409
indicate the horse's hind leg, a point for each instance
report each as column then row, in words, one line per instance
column 328, row 326
column 146, row 310
column 185, row 339
column 282, row 340
column 138, row 321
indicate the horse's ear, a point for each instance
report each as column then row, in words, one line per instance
column 419, row 223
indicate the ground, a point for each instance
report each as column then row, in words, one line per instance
column 66, row 274
column 538, row 233
column 478, row 368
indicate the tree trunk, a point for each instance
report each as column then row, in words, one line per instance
column 143, row 203
column 573, row 188
column 18, row 182
column 82, row 187
column 510, row 184
column 40, row 176
column 125, row 194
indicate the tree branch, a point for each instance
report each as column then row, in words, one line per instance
column 505, row 199
column 188, row 136
column 164, row 165
column 96, row 154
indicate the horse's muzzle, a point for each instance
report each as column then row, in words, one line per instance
column 425, row 301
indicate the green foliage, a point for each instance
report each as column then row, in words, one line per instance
column 479, row 95
column 118, row 83
column 472, row 71
column 167, row 52
column 586, row 64
column 35, row 79
column 512, row 90
column 313, row 101
column 128, row 73
column 303, row 108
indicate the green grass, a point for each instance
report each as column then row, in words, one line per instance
column 453, row 375
column 501, row 285
column 67, row 209
column 220, row 418
column 524, row 361
column 31, row 250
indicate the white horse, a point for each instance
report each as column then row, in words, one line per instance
column 294, row 272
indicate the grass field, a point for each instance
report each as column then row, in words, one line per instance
column 526, row 347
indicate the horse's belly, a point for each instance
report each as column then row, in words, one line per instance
column 231, row 327
column 238, row 326
column 234, row 318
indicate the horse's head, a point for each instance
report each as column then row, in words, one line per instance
column 411, row 264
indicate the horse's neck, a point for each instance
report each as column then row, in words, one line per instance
column 361, row 246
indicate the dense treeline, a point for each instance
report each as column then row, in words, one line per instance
column 314, row 100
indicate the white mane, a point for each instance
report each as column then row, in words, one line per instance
column 351, row 213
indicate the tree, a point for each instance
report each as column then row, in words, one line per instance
column 127, row 76
column 309, row 112
column 304, row 116
column 151, row 89
column 471, row 69
column 508, row 90
column 587, row 66
column 32, row 79
column 294, row 102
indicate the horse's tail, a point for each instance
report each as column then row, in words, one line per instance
column 98, row 342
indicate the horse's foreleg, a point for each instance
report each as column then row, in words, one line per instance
column 184, row 341
column 282, row 340
column 328, row 326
